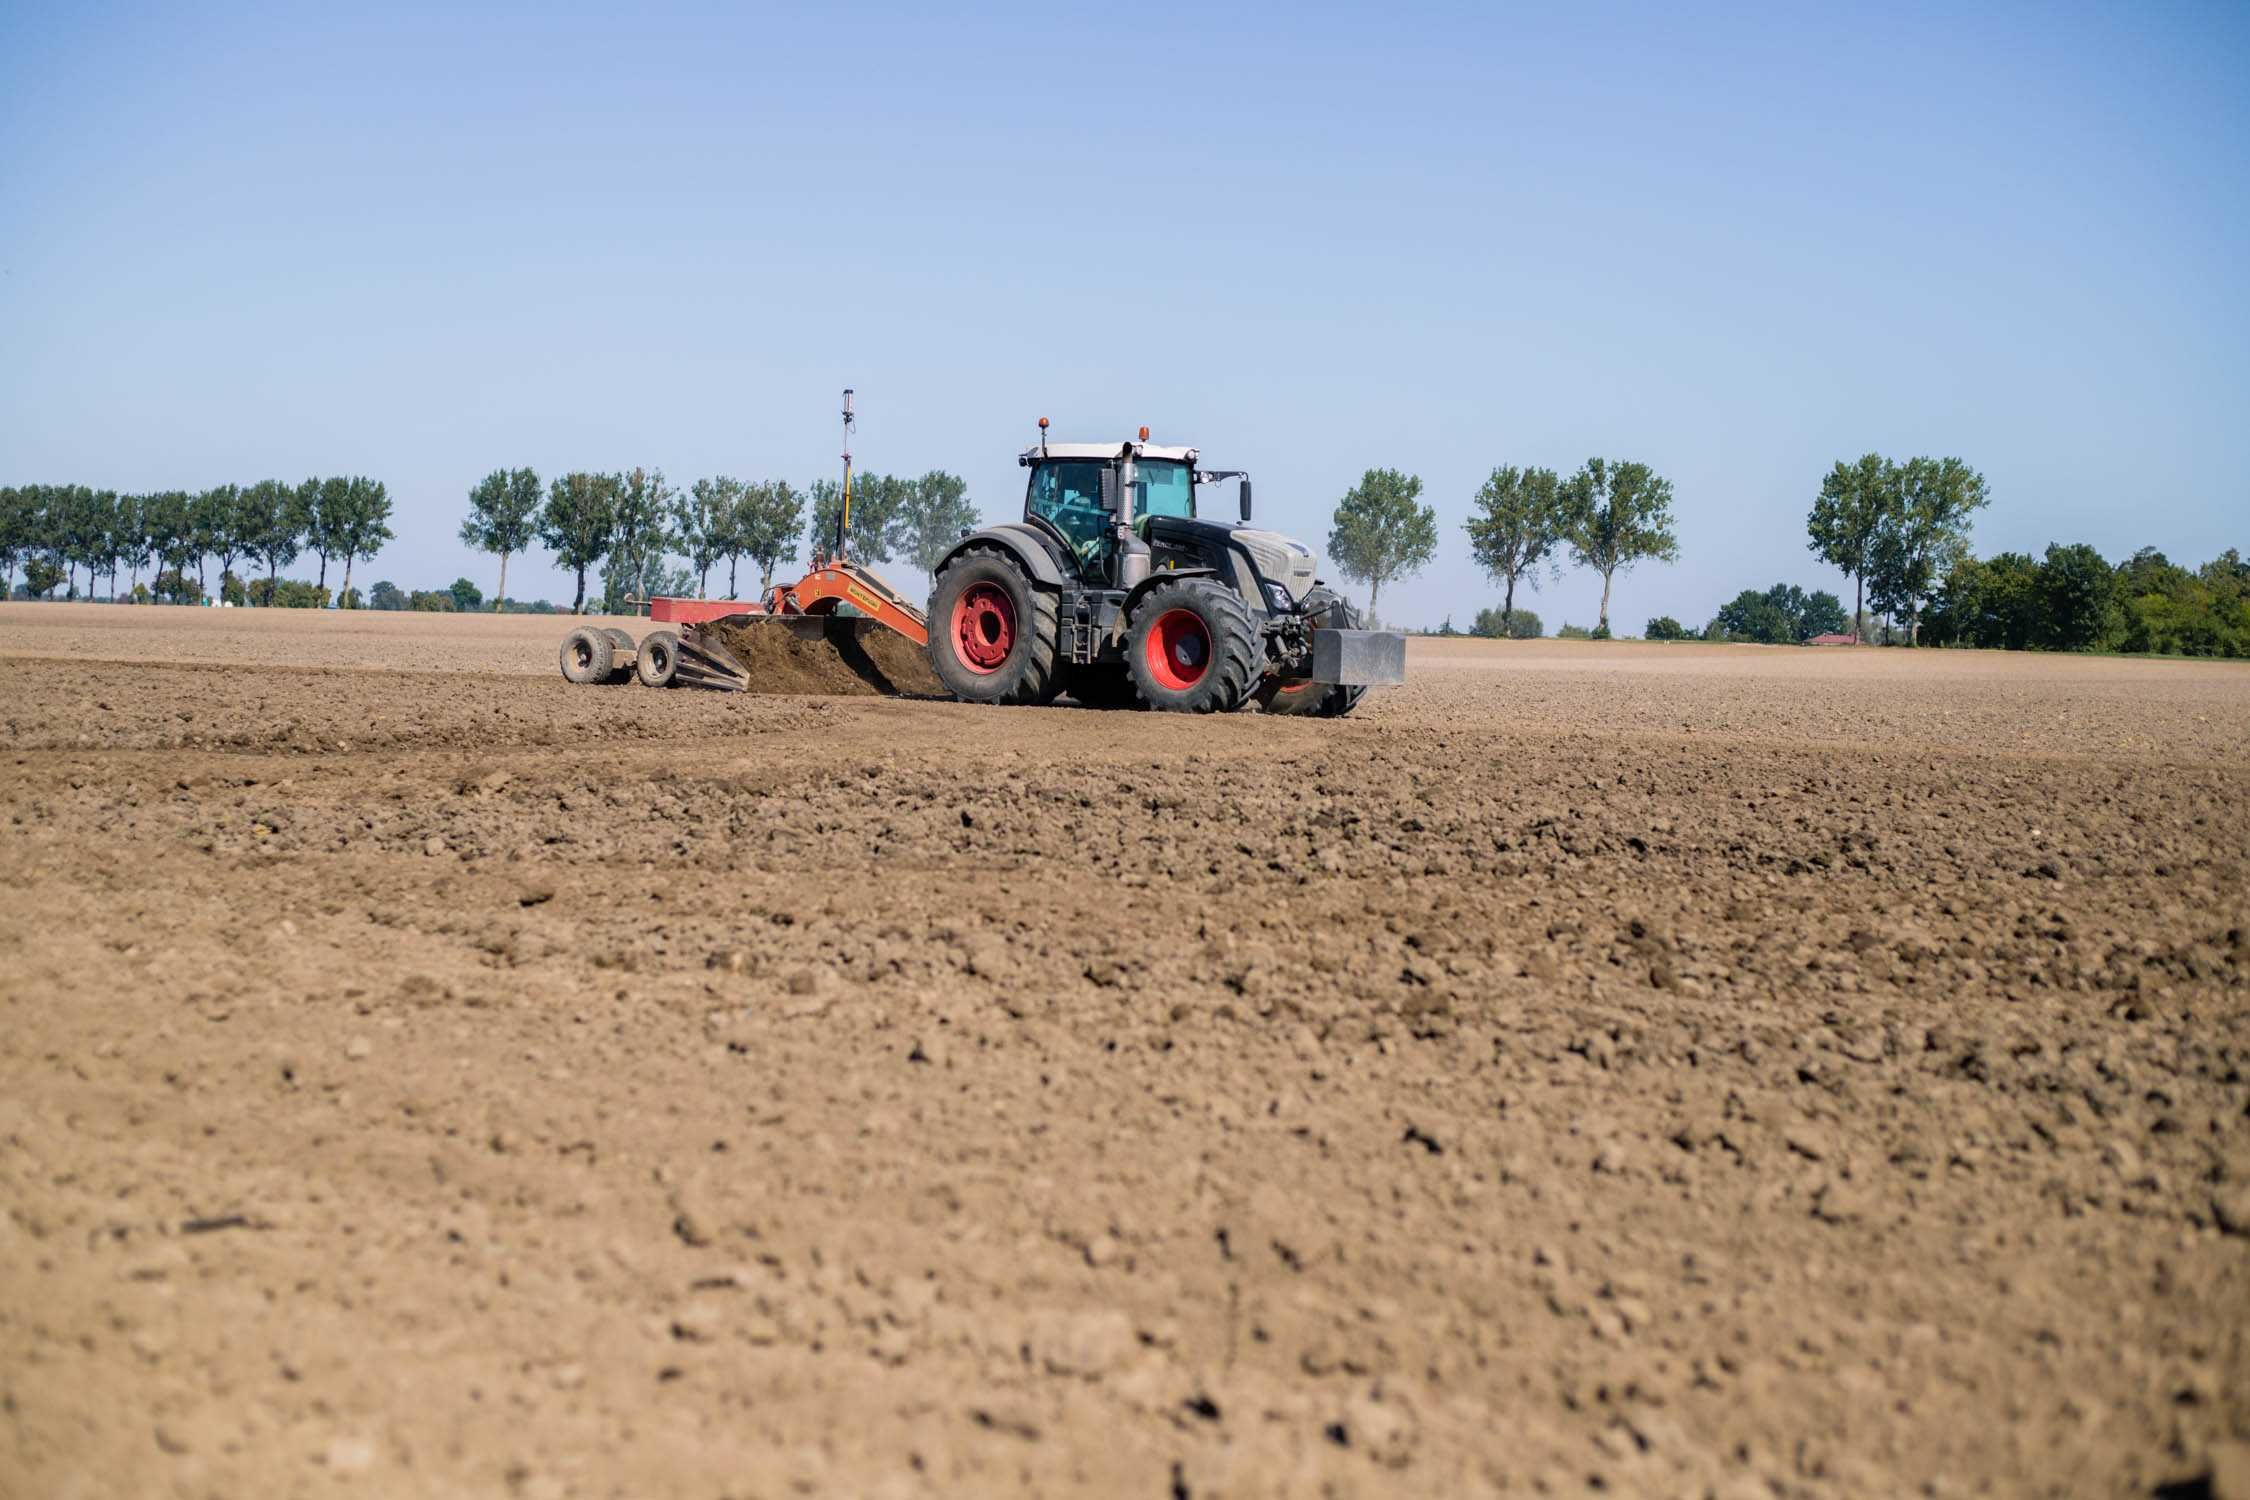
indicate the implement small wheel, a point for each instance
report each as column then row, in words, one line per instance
column 1191, row 647
column 620, row 654
column 659, row 661
column 588, row 656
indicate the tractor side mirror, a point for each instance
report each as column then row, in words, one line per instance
column 1246, row 497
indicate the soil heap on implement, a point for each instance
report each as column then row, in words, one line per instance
column 1112, row 589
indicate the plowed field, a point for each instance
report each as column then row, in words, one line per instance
column 1668, row 1070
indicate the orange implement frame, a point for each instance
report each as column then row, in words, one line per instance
column 819, row 592
column 838, row 582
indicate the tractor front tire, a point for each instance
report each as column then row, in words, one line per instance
column 1191, row 648
column 588, row 656
column 1316, row 700
column 993, row 636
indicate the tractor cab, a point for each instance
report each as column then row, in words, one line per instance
column 1108, row 504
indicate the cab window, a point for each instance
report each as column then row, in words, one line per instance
column 1163, row 488
column 1069, row 497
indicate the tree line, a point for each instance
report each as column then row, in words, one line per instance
column 58, row 531
column 1607, row 516
column 632, row 525
column 2073, row 599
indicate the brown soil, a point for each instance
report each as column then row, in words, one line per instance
column 857, row 658
column 1679, row 1070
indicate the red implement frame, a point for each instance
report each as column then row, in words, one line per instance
column 819, row 592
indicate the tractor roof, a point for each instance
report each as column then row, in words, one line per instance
column 1107, row 451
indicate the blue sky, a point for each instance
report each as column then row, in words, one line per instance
column 421, row 243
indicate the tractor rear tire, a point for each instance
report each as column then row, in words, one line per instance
column 1191, row 648
column 587, row 656
column 659, row 660
column 993, row 636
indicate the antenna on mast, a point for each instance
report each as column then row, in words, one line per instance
column 844, row 512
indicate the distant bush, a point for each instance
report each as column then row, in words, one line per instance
column 433, row 601
column 41, row 575
column 1499, row 625
column 1599, row 632
column 531, row 607
column 1665, row 628
column 231, row 590
column 289, row 593
column 386, row 595
column 1783, row 615
column 175, row 587
column 467, row 597
column 1574, row 633
column 351, row 599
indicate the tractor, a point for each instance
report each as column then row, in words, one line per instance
column 1116, row 590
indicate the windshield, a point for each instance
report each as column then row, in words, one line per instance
column 1163, row 487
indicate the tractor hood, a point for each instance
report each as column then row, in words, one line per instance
column 1278, row 559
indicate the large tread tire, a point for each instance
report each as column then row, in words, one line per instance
column 588, row 656
column 1315, row 701
column 622, row 640
column 659, row 661
column 983, row 592
column 1192, row 648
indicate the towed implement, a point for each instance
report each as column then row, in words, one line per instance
column 1113, row 590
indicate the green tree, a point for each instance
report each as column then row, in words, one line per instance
column 385, row 595
column 1854, row 503
column 1755, row 616
column 130, row 543
column 765, row 526
column 78, row 531
column 1380, row 532
column 102, row 546
column 935, row 512
column 321, row 504
column 1665, row 628
column 503, row 518
column 360, row 524
column 467, row 597
column 703, row 524
column 1619, row 513
column 170, row 521
column 1517, row 526
column 638, row 541
column 577, row 524
column 1924, row 534
column 2078, row 608
column 41, row 573
column 273, row 529
column 217, row 529
column 18, row 534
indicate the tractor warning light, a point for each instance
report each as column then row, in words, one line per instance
column 1144, row 432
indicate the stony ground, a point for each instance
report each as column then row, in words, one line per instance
column 1671, row 1071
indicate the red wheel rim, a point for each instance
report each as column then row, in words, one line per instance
column 984, row 627
column 1178, row 649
